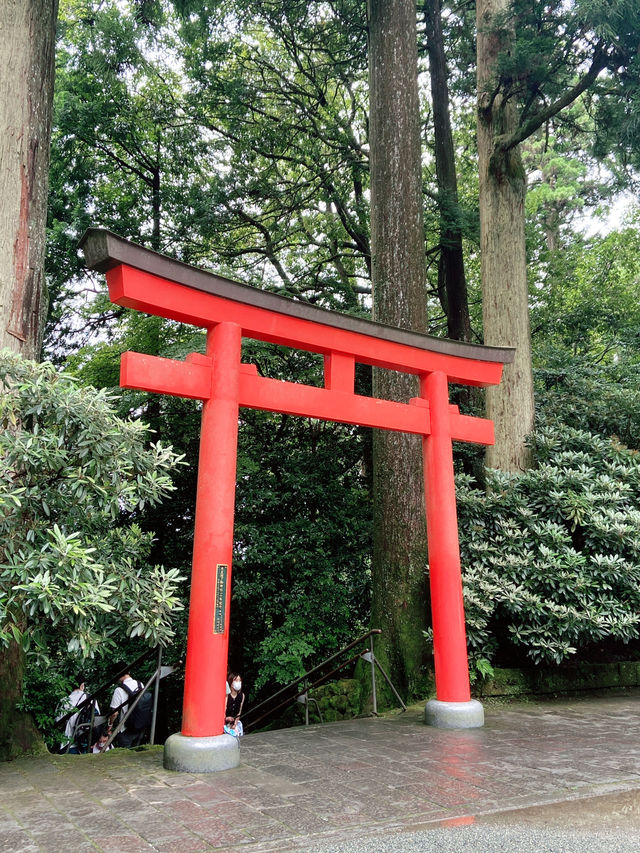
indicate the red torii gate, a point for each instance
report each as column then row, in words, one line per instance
column 144, row 280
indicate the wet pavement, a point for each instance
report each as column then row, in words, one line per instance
column 558, row 776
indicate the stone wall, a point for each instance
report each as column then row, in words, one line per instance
column 560, row 679
column 338, row 700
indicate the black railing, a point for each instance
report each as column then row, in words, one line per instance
column 92, row 697
column 297, row 690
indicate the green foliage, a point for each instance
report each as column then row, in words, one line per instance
column 479, row 668
column 588, row 307
column 281, row 88
column 602, row 398
column 552, row 555
column 123, row 155
column 303, row 527
column 43, row 690
column 564, row 184
column 557, row 42
column 74, row 478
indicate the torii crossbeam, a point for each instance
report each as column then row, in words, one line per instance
column 146, row 281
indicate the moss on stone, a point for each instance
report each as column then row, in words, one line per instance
column 561, row 679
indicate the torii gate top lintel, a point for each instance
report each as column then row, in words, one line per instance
column 135, row 275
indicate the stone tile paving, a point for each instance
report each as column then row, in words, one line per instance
column 299, row 787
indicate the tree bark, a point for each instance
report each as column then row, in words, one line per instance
column 399, row 299
column 451, row 276
column 27, row 47
column 505, row 307
column 18, row 734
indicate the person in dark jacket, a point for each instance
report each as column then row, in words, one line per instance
column 235, row 702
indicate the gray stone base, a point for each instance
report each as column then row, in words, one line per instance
column 454, row 715
column 201, row 754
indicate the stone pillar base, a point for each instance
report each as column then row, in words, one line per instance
column 201, row 754
column 454, row 715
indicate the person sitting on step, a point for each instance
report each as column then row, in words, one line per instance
column 235, row 701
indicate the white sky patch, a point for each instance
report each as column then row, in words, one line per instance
column 599, row 223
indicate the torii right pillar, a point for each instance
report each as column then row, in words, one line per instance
column 453, row 706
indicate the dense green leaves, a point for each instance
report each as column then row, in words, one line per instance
column 585, row 315
column 74, row 478
column 562, row 49
column 124, row 154
column 303, row 528
column 280, row 88
column 552, row 555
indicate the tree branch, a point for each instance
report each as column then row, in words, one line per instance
column 524, row 131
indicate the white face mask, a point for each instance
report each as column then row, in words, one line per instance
column 236, row 685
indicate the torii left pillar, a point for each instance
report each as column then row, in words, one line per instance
column 200, row 746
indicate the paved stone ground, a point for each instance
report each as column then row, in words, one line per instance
column 364, row 782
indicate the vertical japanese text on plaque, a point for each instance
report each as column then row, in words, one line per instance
column 221, row 598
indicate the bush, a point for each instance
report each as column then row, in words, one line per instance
column 73, row 478
column 551, row 556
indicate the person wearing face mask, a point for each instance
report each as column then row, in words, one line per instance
column 235, row 701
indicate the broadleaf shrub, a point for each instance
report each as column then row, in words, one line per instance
column 73, row 480
column 551, row 556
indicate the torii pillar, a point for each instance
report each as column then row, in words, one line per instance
column 141, row 279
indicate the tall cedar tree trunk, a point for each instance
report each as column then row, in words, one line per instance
column 399, row 299
column 27, row 46
column 505, row 308
column 452, row 285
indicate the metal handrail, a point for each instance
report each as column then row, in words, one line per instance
column 294, row 698
column 120, row 725
column 92, row 697
column 98, row 692
column 304, row 678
